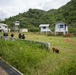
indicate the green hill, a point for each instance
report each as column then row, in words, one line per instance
column 33, row 17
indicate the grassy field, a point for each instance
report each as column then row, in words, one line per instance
column 34, row 59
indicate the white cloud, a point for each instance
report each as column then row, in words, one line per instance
column 13, row 7
column 54, row 4
column 2, row 14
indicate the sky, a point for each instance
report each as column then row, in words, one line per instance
column 13, row 7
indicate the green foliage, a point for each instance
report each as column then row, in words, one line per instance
column 33, row 29
column 72, row 30
column 23, row 55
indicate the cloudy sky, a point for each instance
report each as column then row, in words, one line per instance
column 13, row 7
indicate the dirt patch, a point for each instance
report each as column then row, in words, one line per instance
column 68, row 40
column 2, row 71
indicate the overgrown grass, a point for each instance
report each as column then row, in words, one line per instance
column 34, row 59
column 23, row 55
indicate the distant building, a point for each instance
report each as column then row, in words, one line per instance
column 16, row 28
column 23, row 30
column 3, row 28
column 61, row 28
column 44, row 28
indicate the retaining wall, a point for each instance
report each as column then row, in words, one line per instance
column 45, row 44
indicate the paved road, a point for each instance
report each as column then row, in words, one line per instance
column 6, row 69
column 2, row 71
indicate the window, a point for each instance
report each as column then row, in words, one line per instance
column 44, row 27
column 61, row 26
column 6, row 27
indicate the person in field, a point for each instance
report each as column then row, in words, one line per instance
column 20, row 36
column 23, row 36
column 12, row 35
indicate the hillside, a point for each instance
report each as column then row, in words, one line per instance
column 33, row 17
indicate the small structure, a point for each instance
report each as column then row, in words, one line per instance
column 16, row 27
column 44, row 28
column 24, row 30
column 61, row 28
column 4, row 27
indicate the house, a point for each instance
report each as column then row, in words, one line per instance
column 44, row 28
column 16, row 28
column 61, row 28
column 3, row 27
column 23, row 30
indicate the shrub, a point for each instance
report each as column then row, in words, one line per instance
column 68, row 35
column 50, row 34
column 34, row 29
column 74, row 34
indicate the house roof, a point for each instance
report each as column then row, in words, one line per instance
column 42, row 25
column 2, row 24
column 61, row 23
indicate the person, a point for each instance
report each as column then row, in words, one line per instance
column 23, row 36
column 12, row 35
column 5, row 34
column 20, row 36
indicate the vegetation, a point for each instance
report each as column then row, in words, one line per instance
column 22, row 55
column 34, row 59
column 33, row 17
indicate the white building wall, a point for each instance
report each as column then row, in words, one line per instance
column 44, row 27
column 44, row 30
column 67, row 28
column 24, row 30
column 58, row 29
column 4, row 27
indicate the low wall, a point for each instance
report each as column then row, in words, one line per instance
column 45, row 44
column 7, row 38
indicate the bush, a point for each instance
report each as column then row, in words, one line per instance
column 72, row 30
column 68, row 35
column 74, row 34
column 50, row 34
column 33, row 29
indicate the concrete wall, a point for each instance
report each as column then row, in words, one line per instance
column 44, row 44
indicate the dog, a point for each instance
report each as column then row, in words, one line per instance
column 55, row 50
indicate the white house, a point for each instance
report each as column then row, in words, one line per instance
column 3, row 27
column 61, row 28
column 23, row 30
column 16, row 28
column 44, row 28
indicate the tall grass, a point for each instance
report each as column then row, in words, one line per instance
column 22, row 55
column 34, row 59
